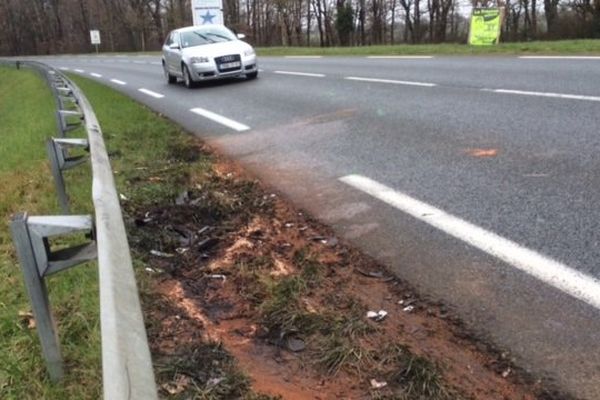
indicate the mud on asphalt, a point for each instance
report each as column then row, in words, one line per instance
column 246, row 297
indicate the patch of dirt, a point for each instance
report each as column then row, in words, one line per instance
column 232, row 264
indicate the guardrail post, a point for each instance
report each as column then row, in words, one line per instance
column 60, row 161
column 30, row 237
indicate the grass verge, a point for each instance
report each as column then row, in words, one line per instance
column 27, row 119
column 562, row 47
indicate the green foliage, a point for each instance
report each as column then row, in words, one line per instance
column 344, row 22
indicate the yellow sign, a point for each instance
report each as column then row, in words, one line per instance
column 485, row 26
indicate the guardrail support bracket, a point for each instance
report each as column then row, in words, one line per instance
column 30, row 237
column 60, row 161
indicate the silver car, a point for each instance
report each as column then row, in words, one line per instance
column 201, row 53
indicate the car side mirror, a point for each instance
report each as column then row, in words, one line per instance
column 174, row 46
column 241, row 36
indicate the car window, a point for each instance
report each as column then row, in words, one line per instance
column 202, row 36
column 169, row 39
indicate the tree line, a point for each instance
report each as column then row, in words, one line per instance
column 62, row 26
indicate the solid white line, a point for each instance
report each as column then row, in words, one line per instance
column 545, row 94
column 560, row 276
column 118, row 82
column 560, row 57
column 220, row 119
column 95, row 75
column 303, row 56
column 401, row 57
column 151, row 93
column 299, row 74
column 79, row 70
column 410, row 83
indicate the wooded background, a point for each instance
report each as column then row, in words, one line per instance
column 62, row 26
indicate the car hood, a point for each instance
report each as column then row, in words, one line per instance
column 217, row 49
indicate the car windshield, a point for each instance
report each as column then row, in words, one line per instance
column 208, row 35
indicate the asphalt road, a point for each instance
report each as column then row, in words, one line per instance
column 505, row 149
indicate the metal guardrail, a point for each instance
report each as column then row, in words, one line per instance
column 126, row 362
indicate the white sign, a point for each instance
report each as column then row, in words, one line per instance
column 95, row 37
column 207, row 12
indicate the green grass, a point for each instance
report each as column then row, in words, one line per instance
column 562, row 47
column 27, row 119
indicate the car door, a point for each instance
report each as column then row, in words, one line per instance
column 175, row 54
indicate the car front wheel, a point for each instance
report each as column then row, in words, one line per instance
column 187, row 78
column 170, row 78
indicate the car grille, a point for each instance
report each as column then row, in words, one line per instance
column 228, row 59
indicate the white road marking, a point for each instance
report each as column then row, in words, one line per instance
column 155, row 63
column 220, row 119
column 545, row 94
column 64, row 68
column 560, row 57
column 95, row 75
column 79, row 70
column 151, row 93
column 118, row 82
column 401, row 57
column 410, row 83
column 139, row 62
column 303, row 56
column 549, row 271
column 299, row 74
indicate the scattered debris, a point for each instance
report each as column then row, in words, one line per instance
column 27, row 318
column 408, row 309
column 178, row 386
column 182, row 198
column 161, row 254
column 182, row 250
column 207, row 243
column 483, row 152
column 377, row 315
column 122, row 197
column 294, row 344
column 375, row 384
column 217, row 276
column 371, row 274
column 506, row 372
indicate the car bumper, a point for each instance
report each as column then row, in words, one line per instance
column 209, row 71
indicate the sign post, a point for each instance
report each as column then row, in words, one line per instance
column 95, row 38
column 207, row 12
column 485, row 26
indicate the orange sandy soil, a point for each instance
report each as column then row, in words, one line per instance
column 196, row 306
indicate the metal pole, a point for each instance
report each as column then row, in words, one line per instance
column 38, row 296
column 59, row 180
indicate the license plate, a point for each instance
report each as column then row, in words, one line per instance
column 235, row 64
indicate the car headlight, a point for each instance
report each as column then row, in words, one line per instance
column 249, row 52
column 199, row 60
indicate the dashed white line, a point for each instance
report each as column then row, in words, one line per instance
column 64, row 68
column 394, row 82
column 79, row 70
column 553, row 273
column 299, row 74
column 118, row 82
column 220, row 119
column 155, row 63
column 304, row 57
column 151, row 93
column 139, row 62
column 545, row 94
column 95, row 75
column 560, row 57
column 401, row 57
